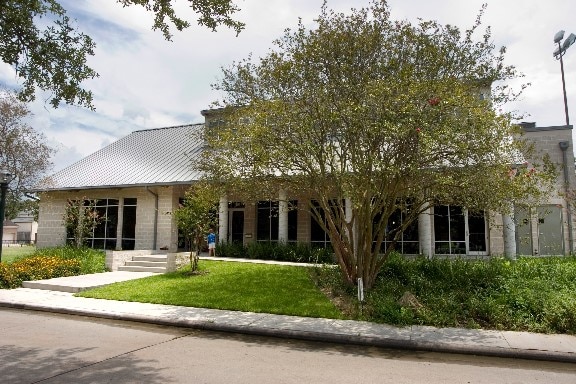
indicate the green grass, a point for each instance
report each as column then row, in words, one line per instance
column 233, row 286
column 10, row 254
column 530, row 294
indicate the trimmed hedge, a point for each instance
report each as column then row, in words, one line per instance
column 297, row 253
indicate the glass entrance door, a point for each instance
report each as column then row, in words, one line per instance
column 236, row 226
column 476, row 233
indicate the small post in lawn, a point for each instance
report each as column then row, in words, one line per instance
column 360, row 293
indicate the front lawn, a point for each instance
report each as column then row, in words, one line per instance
column 530, row 294
column 233, row 286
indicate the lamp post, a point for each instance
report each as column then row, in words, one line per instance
column 558, row 53
column 5, row 179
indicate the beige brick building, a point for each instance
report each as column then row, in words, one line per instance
column 139, row 181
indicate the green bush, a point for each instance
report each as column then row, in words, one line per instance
column 91, row 260
column 235, row 250
column 36, row 268
column 530, row 294
column 298, row 253
column 49, row 263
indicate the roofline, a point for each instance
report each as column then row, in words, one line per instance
column 172, row 127
column 115, row 186
column 531, row 127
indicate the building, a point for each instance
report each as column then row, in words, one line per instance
column 27, row 228
column 9, row 233
column 140, row 179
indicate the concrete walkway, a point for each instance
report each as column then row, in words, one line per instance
column 56, row 295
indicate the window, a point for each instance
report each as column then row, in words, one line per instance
column 318, row 237
column 459, row 232
column 267, row 221
column 408, row 243
column 104, row 235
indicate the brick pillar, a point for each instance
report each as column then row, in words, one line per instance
column 282, row 217
column 223, row 220
column 509, row 234
column 425, row 232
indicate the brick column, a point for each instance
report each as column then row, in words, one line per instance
column 509, row 234
column 223, row 220
column 282, row 217
column 425, row 232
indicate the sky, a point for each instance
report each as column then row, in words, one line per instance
column 147, row 82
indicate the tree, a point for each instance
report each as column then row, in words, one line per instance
column 80, row 219
column 195, row 216
column 368, row 117
column 53, row 57
column 23, row 153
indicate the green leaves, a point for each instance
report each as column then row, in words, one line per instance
column 53, row 57
column 377, row 111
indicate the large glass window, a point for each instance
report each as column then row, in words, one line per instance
column 449, row 230
column 451, row 226
column 267, row 221
column 104, row 234
column 319, row 237
column 408, row 242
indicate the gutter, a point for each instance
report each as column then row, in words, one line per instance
column 564, row 145
column 155, row 217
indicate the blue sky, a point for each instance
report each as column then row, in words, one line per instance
column 147, row 82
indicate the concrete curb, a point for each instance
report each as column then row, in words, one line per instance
column 338, row 338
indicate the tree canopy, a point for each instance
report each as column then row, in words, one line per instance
column 48, row 51
column 23, row 152
column 367, row 117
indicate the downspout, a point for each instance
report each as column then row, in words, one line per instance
column 155, row 218
column 564, row 145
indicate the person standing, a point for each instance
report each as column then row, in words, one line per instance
column 211, row 243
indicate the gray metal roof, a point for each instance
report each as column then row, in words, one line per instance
column 153, row 156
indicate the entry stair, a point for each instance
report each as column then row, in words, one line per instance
column 149, row 263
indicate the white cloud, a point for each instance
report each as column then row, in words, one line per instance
column 147, row 82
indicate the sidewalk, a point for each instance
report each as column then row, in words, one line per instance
column 56, row 295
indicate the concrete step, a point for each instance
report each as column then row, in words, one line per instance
column 128, row 268
column 157, row 258
column 147, row 264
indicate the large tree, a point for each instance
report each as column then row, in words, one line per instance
column 47, row 50
column 369, row 116
column 23, row 153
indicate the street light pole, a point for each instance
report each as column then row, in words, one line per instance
column 558, row 53
column 5, row 179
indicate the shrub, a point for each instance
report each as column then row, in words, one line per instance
column 298, row 253
column 530, row 294
column 235, row 250
column 91, row 260
column 47, row 263
column 36, row 268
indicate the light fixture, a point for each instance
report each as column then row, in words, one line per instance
column 5, row 179
column 558, row 53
